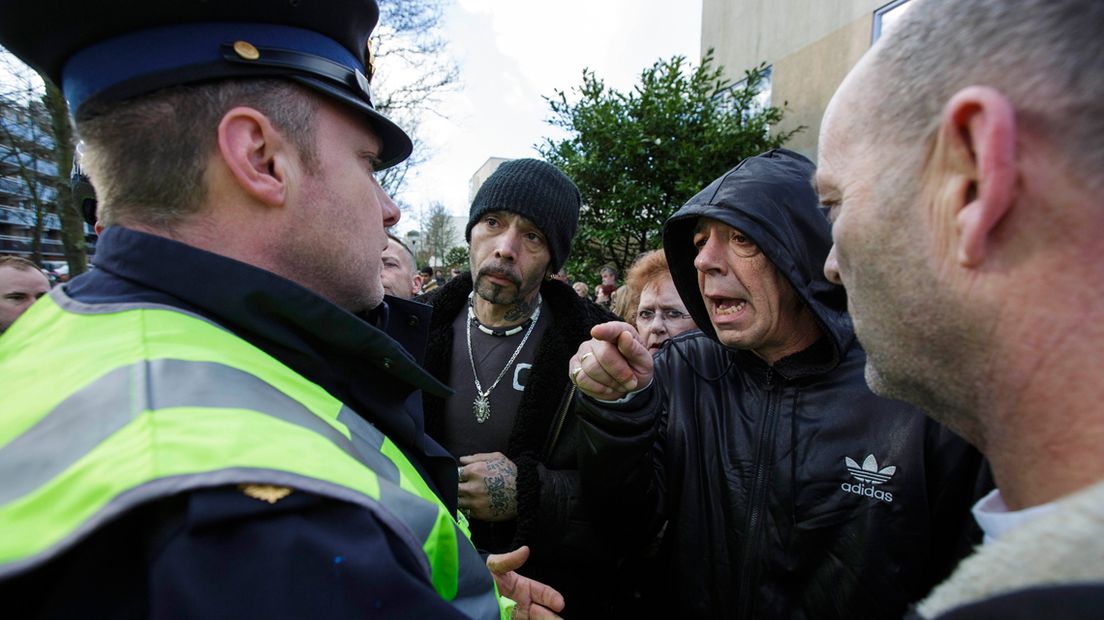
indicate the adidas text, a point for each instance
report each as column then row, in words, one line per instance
column 869, row 491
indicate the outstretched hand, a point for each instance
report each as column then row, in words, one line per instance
column 612, row 363
column 534, row 599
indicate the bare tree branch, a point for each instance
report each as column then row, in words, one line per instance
column 36, row 146
column 414, row 73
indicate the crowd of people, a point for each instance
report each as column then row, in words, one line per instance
column 863, row 388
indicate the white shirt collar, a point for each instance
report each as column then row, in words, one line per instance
column 992, row 514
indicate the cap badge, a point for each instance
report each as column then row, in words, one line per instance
column 265, row 492
column 246, row 50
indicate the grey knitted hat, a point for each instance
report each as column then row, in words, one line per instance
column 537, row 191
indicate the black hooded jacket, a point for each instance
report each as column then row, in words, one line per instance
column 789, row 491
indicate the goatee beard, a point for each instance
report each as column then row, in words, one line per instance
column 493, row 292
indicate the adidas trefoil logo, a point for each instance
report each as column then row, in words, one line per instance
column 869, row 477
column 869, row 471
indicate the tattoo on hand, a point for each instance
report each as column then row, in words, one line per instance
column 501, row 482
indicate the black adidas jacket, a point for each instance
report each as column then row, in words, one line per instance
column 790, row 491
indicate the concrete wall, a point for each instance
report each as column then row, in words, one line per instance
column 810, row 44
column 747, row 32
column 480, row 175
column 806, row 80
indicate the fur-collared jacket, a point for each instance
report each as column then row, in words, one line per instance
column 551, row 519
column 1052, row 566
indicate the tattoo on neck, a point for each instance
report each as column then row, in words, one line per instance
column 521, row 310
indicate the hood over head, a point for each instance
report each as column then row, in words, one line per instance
column 770, row 198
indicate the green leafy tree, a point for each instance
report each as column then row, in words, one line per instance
column 437, row 234
column 457, row 257
column 639, row 155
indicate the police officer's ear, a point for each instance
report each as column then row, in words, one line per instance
column 256, row 155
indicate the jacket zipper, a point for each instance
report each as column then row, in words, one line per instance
column 763, row 455
column 560, row 417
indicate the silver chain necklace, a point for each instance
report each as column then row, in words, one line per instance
column 482, row 404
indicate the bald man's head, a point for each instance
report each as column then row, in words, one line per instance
column 399, row 276
column 21, row 283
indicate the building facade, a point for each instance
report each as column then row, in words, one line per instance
column 809, row 45
column 481, row 175
column 28, row 177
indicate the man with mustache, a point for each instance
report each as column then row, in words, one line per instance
column 501, row 336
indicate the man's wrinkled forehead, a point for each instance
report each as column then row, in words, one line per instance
column 13, row 277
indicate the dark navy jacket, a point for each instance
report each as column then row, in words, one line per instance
column 216, row 552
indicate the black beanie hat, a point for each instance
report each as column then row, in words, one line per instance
column 537, row 191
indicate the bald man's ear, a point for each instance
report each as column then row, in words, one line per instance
column 417, row 281
column 256, row 154
column 978, row 144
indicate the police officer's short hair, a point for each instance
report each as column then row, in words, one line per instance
column 147, row 156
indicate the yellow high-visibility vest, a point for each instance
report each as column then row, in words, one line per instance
column 106, row 407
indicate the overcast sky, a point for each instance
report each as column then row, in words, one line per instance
column 513, row 52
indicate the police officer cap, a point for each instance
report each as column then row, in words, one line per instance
column 111, row 50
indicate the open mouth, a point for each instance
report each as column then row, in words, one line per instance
column 725, row 307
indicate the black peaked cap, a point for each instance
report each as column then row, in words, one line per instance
column 137, row 48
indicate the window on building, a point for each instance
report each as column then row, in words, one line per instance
column 763, row 90
column 886, row 16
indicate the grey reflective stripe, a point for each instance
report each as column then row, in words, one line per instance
column 368, row 442
column 226, row 387
column 420, row 520
column 67, row 303
column 360, row 429
column 66, row 434
column 90, row 415
column 164, row 487
column 475, row 593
